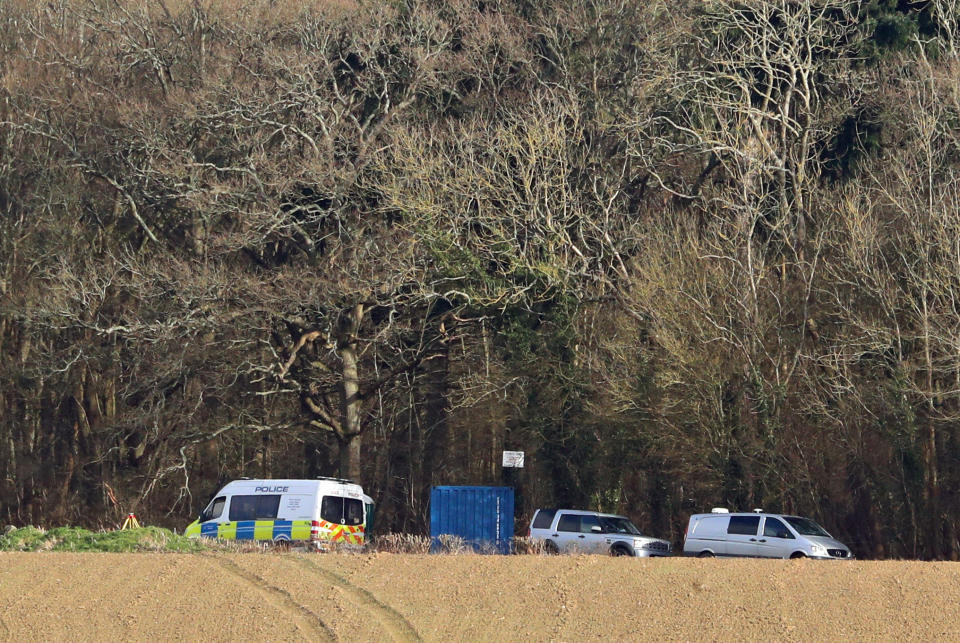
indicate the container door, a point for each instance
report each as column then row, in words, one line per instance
column 368, row 516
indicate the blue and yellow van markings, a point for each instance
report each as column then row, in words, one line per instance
column 253, row 530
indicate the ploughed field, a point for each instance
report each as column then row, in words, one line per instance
column 403, row 597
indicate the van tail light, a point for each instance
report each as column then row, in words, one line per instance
column 314, row 530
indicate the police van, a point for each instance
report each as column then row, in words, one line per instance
column 320, row 512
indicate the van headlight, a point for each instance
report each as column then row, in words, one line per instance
column 818, row 550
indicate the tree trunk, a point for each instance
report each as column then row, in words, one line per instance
column 932, row 487
column 350, row 401
column 435, row 424
column 350, row 458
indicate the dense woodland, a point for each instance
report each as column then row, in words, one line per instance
column 683, row 253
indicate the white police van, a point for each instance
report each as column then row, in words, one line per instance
column 322, row 511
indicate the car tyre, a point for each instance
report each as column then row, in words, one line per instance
column 798, row 554
column 706, row 554
column 550, row 548
column 619, row 550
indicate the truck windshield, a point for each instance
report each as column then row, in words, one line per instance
column 806, row 527
column 618, row 526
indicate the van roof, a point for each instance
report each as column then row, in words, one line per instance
column 283, row 480
column 742, row 513
column 301, row 483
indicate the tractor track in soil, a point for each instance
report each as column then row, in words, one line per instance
column 392, row 621
column 305, row 618
column 229, row 596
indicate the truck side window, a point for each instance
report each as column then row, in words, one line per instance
column 544, row 519
column 569, row 522
column 773, row 528
column 587, row 523
column 744, row 525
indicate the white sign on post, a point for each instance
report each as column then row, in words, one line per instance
column 513, row 459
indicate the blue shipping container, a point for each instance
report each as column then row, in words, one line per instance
column 482, row 516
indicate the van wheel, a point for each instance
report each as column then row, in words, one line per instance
column 550, row 548
column 798, row 554
column 705, row 554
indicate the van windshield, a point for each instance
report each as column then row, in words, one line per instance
column 618, row 526
column 806, row 527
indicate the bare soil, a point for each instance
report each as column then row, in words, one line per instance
column 382, row 597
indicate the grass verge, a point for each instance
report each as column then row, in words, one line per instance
column 153, row 539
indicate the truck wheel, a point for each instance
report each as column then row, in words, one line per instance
column 550, row 548
column 705, row 554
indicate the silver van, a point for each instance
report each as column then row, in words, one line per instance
column 591, row 532
column 759, row 534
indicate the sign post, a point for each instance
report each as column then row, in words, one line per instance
column 513, row 459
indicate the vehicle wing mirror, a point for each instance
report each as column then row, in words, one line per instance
column 596, row 529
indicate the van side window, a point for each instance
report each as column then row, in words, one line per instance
column 773, row 528
column 214, row 510
column 587, row 522
column 217, row 509
column 744, row 525
column 254, row 507
column 569, row 522
column 544, row 519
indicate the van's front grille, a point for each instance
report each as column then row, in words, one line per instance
column 837, row 553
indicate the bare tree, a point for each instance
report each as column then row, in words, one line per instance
column 896, row 289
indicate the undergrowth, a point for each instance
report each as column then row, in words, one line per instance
column 158, row 539
column 151, row 539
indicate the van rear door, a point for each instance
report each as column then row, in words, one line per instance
column 341, row 518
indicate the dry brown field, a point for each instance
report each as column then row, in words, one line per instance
column 383, row 597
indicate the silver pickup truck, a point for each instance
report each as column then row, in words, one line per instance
column 590, row 532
